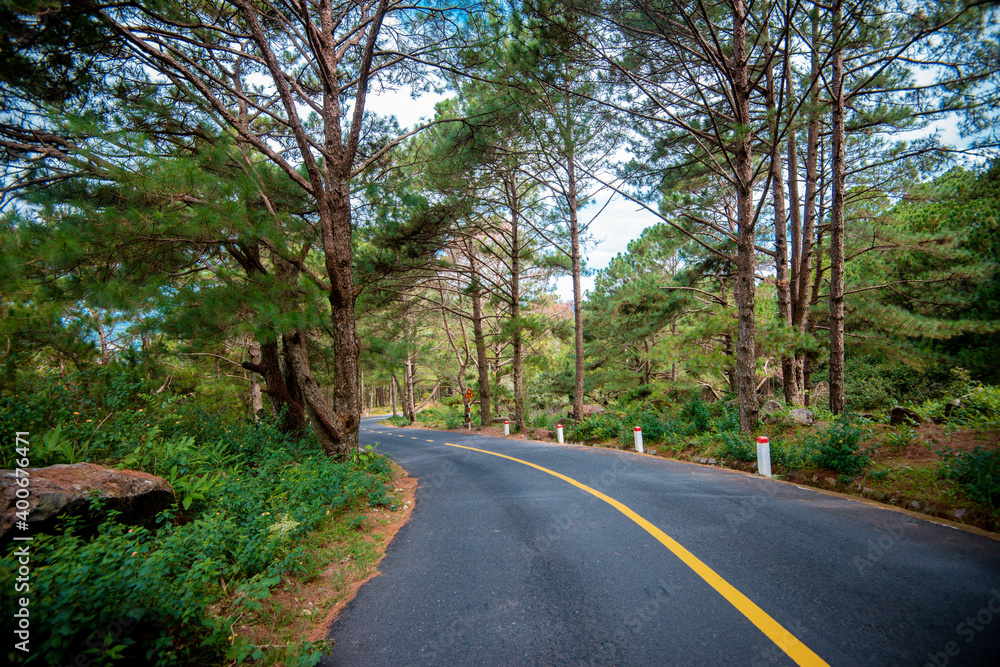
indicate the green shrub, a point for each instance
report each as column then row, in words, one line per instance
column 737, row 447
column 397, row 420
column 838, row 448
column 152, row 587
column 542, row 420
column 979, row 408
column 729, row 420
column 786, row 454
column 598, row 428
column 697, row 414
column 655, row 425
column 248, row 494
column 455, row 419
column 432, row 416
column 978, row 473
column 136, row 599
column 877, row 383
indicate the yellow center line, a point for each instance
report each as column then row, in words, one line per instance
column 784, row 639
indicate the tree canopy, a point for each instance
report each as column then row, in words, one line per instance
column 204, row 185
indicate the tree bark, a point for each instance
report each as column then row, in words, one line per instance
column 327, row 426
column 574, row 230
column 409, row 409
column 795, row 223
column 837, row 389
column 746, row 353
column 256, row 395
column 335, row 224
column 782, row 286
column 803, row 297
column 485, row 408
column 101, row 336
column 280, row 385
column 516, row 344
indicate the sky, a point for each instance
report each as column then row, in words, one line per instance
column 612, row 229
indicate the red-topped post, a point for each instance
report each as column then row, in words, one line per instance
column 764, row 456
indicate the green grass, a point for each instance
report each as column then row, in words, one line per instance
column 252, row 506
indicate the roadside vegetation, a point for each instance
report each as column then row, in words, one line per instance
column 946, row 464
column 220, row 577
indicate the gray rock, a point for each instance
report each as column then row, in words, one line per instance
column 771, row 412
column 803, row 416
column 68, row 489
column 900, row 415
column 771, row 406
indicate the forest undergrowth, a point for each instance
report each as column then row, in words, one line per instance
column 211, row 580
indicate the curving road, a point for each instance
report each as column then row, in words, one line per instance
column 527, row 553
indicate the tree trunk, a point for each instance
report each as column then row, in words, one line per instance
column 102, row 337
column 810, row 322
column 574, row 231
column 326, row 424
column 280, row 385
column 837, row 390
column 335, row 224
column 795, row 222
column 485, row 409
column 256, row 395
column 782, row 286
column 409, row 409
column 746, row 353
column 803, row 297
column 517, row 363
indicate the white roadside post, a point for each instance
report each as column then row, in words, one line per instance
column 764, row 456
column 559, row 433
column 506, row 427
column 638, row 440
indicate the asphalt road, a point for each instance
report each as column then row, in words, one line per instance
column 626, row 559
